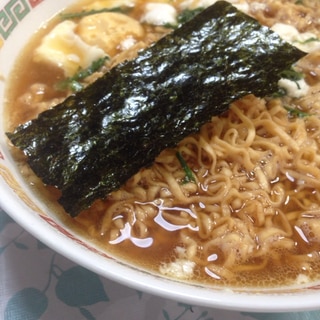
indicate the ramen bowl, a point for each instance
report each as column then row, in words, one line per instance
column 19, row 19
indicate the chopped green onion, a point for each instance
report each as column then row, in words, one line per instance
column 312, row 39
column 292, row 75
column 81, row 14
column 189, row 175
column 280, row 93
column 73, row 83
column 184, row 16
column 293, row 112
column 188, row 14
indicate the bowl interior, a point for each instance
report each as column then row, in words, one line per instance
column 18, row 21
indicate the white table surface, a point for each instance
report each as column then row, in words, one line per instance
column 38, row 283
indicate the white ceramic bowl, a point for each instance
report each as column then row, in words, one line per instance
column 18, row 20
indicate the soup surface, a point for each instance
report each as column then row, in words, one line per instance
column 251, row 217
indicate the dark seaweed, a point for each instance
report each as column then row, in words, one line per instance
column 95, row 140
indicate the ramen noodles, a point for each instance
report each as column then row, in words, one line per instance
column 251, row 217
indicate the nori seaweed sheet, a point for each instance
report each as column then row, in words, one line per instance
column 95, row 140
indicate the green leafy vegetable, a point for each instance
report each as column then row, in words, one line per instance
column 294, row 112
column 312, row 39
column 98, row 138
column 280, row 93
column 188, row 14
column 73, row 83
column 292, row 75
column 189, row 175
column 184, row 16
column 81, row 14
